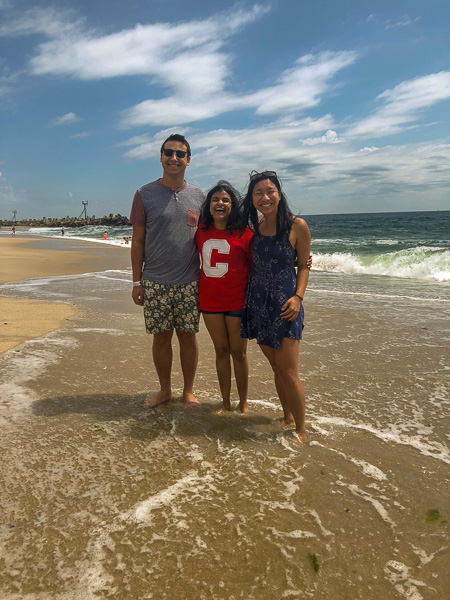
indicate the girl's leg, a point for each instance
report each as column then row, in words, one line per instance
column 286, row 359
column 269, row 353
column 238, row 349
column 215, row 324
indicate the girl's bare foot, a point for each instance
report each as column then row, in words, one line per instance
column 224, row 407
column 189, row 399
column 155, row 398
column 243, row 407
column 285, row 421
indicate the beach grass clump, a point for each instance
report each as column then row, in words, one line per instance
column 314, row 562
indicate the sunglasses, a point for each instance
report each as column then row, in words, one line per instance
column 179, row 153
column 263, row 175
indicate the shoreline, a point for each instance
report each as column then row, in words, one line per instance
column 25, row 258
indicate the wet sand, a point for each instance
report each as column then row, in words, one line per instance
column 103, row 498
column 23, row 257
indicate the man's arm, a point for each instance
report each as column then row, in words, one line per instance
column 137, row 260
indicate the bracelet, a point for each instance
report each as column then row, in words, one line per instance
column 137, row 283
column 301, row 299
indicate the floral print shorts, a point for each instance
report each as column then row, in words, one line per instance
column 171, row 306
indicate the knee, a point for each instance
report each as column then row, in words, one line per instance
column 287, row 374
column 239, row 354
column 186, row 339
column 161, row 340
column 222, row 352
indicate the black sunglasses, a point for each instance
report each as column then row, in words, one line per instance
column 179, row 153
column 264, row 174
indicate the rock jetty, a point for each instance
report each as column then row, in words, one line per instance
column 112, row 220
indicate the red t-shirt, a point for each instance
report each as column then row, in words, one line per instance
column 225, row 268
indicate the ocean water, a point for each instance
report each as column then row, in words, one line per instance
column 103, row 498
column 401, row 245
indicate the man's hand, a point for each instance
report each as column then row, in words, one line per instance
column 138, row 295
column 309, row 262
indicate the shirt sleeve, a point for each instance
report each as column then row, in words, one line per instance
column 137, row 214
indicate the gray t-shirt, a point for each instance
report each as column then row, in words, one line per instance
column 170, row 219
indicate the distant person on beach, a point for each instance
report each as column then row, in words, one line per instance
column 166, row 266
column 224, row 243
column 13, row 230
column 105, row 236
column 273, row 310
column 63, row 231
column 126, row 239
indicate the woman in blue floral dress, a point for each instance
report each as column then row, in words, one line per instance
column 273, row 310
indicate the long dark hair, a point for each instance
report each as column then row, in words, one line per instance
column 235, row 221
column 285, row 218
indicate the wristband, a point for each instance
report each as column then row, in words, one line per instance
column 137, row 283
column 301, row 299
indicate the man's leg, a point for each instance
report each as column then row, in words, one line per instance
column 189, row 360
column 162, row 359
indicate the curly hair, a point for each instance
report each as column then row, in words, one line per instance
column 235, row 221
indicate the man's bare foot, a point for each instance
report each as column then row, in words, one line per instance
column 155, row 398
column 189, row 399
column 243, row 407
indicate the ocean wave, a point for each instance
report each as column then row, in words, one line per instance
column 422, row 262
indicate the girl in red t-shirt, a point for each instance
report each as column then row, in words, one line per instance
column 224, row 243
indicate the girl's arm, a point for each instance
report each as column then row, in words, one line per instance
column 300, row 238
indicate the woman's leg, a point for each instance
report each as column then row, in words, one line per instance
column 238, row 349
column 215, row 324
column 286, row 359
column 269, row 353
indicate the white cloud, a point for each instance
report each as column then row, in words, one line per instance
column 82, row 134
column 66, row 119
column 405, row 21
column 330, row 137
column 143, row 50
column 296, row 89
column 403, row 105
column 46, row 21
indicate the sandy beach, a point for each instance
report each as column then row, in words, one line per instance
column 103, row 498
column 23, row 257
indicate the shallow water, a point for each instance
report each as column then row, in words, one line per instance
column 103, row 498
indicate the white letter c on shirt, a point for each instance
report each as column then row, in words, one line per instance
column 222, row 247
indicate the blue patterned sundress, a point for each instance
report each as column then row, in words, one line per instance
column 272, row 281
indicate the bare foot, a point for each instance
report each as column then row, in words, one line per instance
column 299, row 439
column 285, row 421
column 243, row 407
column 155, row 398
column 189, row 399
column 224, row 407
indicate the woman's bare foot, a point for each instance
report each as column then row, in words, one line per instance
column 243, row 407
column 299, row 439
column 189, row 399
column 155, row 398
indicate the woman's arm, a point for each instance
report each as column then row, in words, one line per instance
column 300, row 238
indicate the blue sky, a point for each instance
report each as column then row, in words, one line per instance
column 348, row 101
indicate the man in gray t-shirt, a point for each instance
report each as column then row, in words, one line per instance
column 166, row 266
